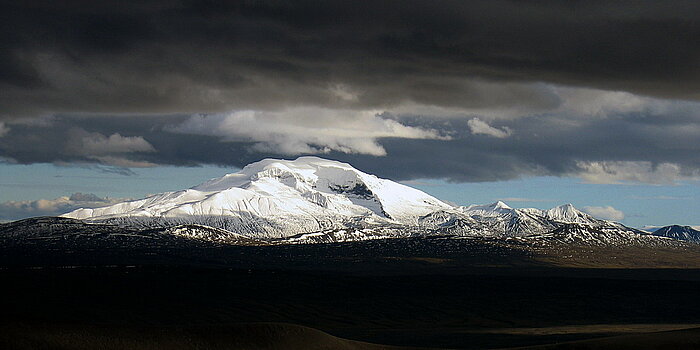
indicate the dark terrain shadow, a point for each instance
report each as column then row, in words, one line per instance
column 469, row 309
column 261, row 336
column 671, row 340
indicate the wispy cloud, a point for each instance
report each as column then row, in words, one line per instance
column 659, row 197
column 605, row 212
column 480, row 127
column 633, row 172
column 97, row 144
column 4, row 129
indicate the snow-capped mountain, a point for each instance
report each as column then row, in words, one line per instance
column 685, row 233
column 311, row 199
column 500, row 220
column 278, row 198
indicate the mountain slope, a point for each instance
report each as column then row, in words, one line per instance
column 684, row 233
column 500, row 220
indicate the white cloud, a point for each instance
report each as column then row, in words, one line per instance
column 109, row 150
column 14, row 210
column 576, row 103
column 3, row 129
column 620, row 172
column 96, row 144
column 305, row 130
column 605, row 213
column 343, row 93
column 600, row 103
column 659, row 197
column 479, row 126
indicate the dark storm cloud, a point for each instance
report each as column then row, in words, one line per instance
column 182, row 57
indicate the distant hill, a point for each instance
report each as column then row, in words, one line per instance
column 684, row 233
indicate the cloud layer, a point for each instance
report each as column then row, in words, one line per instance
column 305, row 130
column 204, row 57
column 13, row 210
column 467, row 91
column 655, row 143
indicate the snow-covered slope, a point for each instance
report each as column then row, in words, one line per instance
column 276, row 198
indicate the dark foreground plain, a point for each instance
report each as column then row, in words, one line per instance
column 407, row 293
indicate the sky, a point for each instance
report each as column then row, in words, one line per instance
column 541, row 103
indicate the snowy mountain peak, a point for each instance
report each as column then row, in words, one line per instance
column 500, row 205
column 284, row 196
column 568, row 213
column 289, row 172
column 488, row 210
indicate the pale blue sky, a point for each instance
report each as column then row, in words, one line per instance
column 641, row 204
